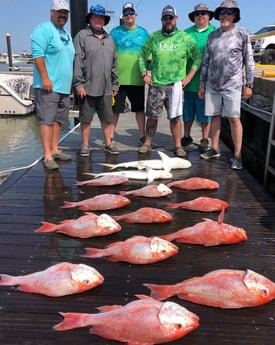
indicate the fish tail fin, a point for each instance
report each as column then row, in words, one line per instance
column 80, row 183
column 7, row 280
column 118, row 217
column 112, row 166
column 171, row 205
column 168, row 237
column 124, row 192
column 93, row 253
column 46, row 227
column 170, row 184
column 159, row 292
column 68, row 204
column 73, row 320
column 92, row 174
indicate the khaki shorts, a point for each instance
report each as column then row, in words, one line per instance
column 226, row 105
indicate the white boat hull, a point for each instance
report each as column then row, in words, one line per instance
column 15, row 92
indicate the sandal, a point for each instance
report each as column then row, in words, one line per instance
column 179, row 152
column 144, row 148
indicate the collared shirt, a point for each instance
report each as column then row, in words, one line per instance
column 56, row 47
column 95, row 65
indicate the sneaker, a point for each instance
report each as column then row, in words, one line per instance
column 211, row 153
column 236, row 163
column 111, row 148
column 203, row 147
column 179, row 152
column 185, row 141
column 50, row 164
column 85, row 151
column 62, row 156
column 144, row 149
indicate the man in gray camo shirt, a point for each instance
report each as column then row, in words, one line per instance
column 228, row 61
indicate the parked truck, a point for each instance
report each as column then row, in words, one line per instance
column 263, row 45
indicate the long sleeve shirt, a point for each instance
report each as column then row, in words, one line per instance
column 227, row 57
column 95, row 65
column 169, row 56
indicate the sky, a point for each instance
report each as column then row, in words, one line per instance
column 19, row 17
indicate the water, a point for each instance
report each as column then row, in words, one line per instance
column 20, row 144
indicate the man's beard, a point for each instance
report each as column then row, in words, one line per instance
column 168, row 28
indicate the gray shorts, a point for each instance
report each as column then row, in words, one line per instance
column 159, row 97
column 51, row 107
column 228, row 105
column 101, row 104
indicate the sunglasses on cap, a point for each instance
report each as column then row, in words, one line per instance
column 200, row 13
column 128, row 13
column 167, row 18
column 228, row 12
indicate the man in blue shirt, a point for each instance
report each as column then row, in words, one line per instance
column 53, row 53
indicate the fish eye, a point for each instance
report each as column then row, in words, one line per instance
column 265, row 292
column 87, row 281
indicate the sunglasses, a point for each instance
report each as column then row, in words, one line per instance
column 65, row 38
column 228, row 12
column 129, row 13
column 167, row 18
column 200, row 13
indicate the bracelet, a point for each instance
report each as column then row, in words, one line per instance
column 249, row 86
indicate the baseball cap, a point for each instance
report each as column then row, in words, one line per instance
column 169, row 11
column 128, row 5
column 59, row 5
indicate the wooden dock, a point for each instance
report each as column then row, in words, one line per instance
column 29, row 197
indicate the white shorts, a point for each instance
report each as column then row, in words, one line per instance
column 226, row 105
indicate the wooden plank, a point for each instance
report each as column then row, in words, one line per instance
column 27, row 319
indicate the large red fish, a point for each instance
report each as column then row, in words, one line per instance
column 140, row 322
column 100, row 202
column 109, row 180
column 209, row 233
column 135, row 250
column 59, row 280
column 86, row 226
column 151, row 191
column 203, row 204
column 145, row 215
column 224, row 288
column 194, row 183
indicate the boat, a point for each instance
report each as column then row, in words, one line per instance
column 16, row 94
column 20, row 60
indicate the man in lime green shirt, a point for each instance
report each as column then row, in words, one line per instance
column 193, row 106
column 170, row 49
column 129, row 39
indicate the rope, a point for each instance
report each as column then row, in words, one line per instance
column 39, row 159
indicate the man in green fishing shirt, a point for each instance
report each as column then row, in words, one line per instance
column 169, row 48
